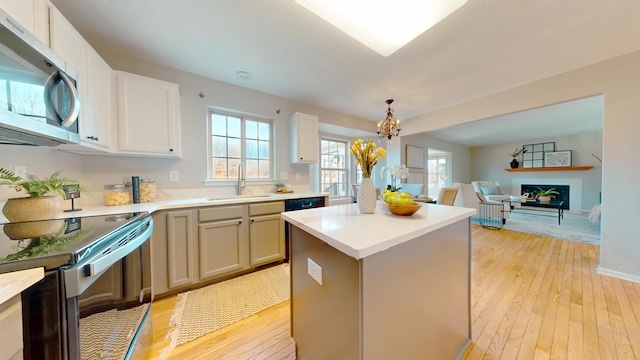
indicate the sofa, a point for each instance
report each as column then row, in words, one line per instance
column 491, row 190
column 413, row 189
column 469, row 198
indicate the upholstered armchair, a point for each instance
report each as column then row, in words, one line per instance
column 491, row 190
column 469, row 198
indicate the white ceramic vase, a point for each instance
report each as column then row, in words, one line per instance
column 367, row 197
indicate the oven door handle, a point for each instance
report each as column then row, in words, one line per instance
column 78, row 279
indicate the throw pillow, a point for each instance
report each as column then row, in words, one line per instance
column 481, row 197
column 491, row 190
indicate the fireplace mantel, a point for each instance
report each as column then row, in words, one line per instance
column 565, row 168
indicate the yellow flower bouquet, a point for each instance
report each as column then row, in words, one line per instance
column 367, row 154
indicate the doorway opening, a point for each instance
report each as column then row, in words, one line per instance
column 438, row 171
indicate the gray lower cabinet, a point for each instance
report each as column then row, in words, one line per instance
column 266, row 233
column 200, row 245
column 222, row 242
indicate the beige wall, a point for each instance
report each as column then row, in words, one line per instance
column 489, row 162
column 619, row 81
column 98, row 171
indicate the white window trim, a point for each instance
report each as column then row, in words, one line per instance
column 229, row 182
column 350, row 163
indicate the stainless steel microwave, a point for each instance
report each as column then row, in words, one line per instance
column 39, row 101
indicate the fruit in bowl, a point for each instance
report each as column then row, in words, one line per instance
column 399, row 203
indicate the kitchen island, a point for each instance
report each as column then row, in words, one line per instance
column 380, row 286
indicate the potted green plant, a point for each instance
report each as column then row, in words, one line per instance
column 544, row 196
column 279, row 186
column 514, row 163
column 42, row 202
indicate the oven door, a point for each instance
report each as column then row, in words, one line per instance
column 108, row 298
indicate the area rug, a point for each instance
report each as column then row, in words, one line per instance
column 204, row 310
column 573, row 227
column 108, row 335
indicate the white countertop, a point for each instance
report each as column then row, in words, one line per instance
column 361, row 235
column 96, row 210
column 13, row 283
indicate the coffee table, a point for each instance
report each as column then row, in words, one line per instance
column 530, row 207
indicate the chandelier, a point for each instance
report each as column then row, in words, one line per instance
column 389, row 127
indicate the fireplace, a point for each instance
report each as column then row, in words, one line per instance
column 575, row 188
column 564, row 192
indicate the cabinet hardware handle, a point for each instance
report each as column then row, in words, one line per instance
column 253, row 220
column 170, row 149
column 92, row 138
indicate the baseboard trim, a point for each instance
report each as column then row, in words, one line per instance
column 617, row 274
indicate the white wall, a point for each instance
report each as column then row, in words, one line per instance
column 618, row 80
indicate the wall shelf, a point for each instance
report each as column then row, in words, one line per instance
column 565, row 168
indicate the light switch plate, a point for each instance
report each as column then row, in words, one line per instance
column 314, row 270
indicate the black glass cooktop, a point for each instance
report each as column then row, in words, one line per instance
column 55, row 243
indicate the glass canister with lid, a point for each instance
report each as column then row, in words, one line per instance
column 147, row 190
column 116, row 194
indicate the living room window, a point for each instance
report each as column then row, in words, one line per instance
column 239, row 138
column 334, row 174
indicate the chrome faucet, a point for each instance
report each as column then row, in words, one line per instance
column 242, row 181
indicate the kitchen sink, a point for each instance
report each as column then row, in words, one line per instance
column 241, row 197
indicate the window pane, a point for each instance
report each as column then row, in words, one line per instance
column 264, row 131
column 218, row 125
column 264, row 168
column 219, row 166
column 233, row 168
column 251, row 129
column 252, row 168
column 234, row 129
column 264, row 150
column 235, row 149
column 235, row 139
column 219, row 146
column 252, row 149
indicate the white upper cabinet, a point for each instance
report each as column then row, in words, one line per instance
column 304, row 138
column 148, row 116
column 31, row 14
column 95, row 86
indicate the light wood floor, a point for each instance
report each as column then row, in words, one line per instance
column 532, row 297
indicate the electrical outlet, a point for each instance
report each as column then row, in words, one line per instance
column 174, row 175
column 20, row 171
column 297, row 176
column 314, row 270
column 284, row 175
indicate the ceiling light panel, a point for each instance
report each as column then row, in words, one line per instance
column 384, row 26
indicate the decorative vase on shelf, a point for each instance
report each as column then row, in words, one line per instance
column 514, row 164
column 367, row 197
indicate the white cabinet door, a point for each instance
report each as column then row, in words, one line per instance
column 304, row 139
column 96, row 128
column 30, row 14
column 95, row 85
column 148, row 116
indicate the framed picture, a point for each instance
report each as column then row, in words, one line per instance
column 415, row 157
column 557, row 158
